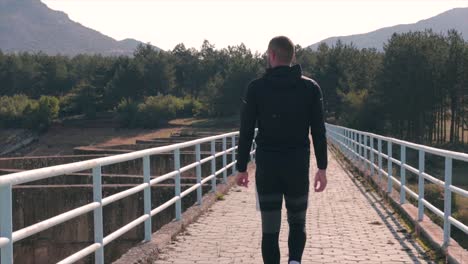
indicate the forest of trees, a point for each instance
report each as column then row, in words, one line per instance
column 417, row 89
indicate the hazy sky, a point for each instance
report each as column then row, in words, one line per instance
column 166, row 23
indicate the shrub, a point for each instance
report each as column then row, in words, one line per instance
column 200, row 109
column 157, row 110
column 84, row 98
column 192, row 107
column 19, row 111
column 12, row 110
column 187, row 107
column 66, row 106
column 127, row 113
column 48, row 109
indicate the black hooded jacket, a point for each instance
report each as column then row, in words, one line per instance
column 284, row 104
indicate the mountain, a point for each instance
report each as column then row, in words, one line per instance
column 29, row 25
column 453, row 19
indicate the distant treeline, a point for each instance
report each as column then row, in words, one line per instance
column 417, row 89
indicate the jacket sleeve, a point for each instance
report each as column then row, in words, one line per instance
column 317, row 128
column 247, row 128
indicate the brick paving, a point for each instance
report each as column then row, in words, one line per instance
column 346, row 223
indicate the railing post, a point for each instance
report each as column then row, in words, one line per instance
column 254, row 145
column 359, row 149
column 371, row 155
column 365, row 153
column 356, row 143
column 224, row 160
column 233, row 140
column 350, row 144
column 447, row 200
column 421, row 186
column 213, row 166
column 389, row 167
column 178, row 204
column 345, row 141
column 379, row 146
column 6, row 223
column 332, row 137
column 361, row 152
column 403, row 174
column 335, row 137
column 355, row 154
column 98, row 221
column 147, row 197
column 252, row 148
column 198, row 172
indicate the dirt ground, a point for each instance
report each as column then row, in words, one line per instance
column 61, row 140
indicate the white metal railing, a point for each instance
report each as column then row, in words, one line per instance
column 8, row 237
column 357, row 144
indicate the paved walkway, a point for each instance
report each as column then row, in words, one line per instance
column 346, row 224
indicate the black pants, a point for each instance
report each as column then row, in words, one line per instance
column 278, row 174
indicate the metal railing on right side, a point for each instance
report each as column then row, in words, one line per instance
column 356, row 145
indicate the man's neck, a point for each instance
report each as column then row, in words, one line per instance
column 281, row 65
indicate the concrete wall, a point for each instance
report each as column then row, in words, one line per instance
column 35, row 203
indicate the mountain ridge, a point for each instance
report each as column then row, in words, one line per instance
column 456, row 18
column 31, row 26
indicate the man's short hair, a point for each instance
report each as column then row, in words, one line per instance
column 283, row 48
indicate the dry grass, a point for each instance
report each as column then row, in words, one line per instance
column 61, row 140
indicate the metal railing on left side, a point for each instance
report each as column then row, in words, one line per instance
column 355, row 145
column 8, row 236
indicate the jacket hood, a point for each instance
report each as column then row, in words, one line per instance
column 283, row 75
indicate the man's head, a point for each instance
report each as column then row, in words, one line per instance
column 280, row 51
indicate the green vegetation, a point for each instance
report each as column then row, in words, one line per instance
column 220, row 196
column 145, row 90
column 417, row 89
column 156, row 111
column 20, row 111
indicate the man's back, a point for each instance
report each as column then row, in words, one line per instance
column 285, row 104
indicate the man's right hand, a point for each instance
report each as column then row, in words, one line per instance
column 243, row 179
column 320, row 178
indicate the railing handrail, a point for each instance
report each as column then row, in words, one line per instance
column 354, row 144
column 8, row 237
column 441, row 152
column 48, row 172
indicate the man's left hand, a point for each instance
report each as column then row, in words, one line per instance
column 320, row 181
column 243, row 179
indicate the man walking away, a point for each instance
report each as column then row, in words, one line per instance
column 285, row 105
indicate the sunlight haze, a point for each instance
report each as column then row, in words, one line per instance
column 254, row 23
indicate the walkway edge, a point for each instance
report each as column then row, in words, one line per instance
column 148, row 252
column 427, row 228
